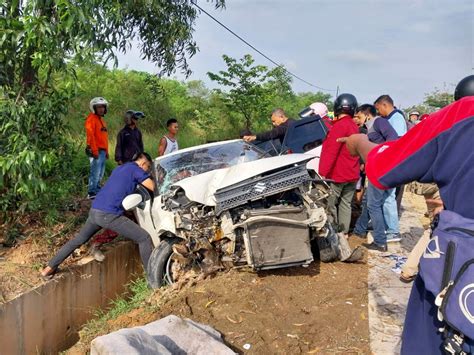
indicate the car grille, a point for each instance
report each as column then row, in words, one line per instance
column 257, row 188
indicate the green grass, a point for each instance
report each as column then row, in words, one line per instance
column 136, row 297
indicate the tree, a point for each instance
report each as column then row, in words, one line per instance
column 433, row 101
column 41, row 43
column 252, row 89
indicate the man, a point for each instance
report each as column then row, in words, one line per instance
column 129, row 139
column 97, row 143
column 321, row 110
column 169, row 143
column 338, row 165
column 385, row 107
column 107, row 212
column 378, row 131
column 280, row 123
column 438, row 150
column 414, row 117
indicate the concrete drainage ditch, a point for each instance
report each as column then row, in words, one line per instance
column 47, row 318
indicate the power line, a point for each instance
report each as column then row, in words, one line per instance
column 258, row 51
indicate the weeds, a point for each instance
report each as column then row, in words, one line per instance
column 138, row 293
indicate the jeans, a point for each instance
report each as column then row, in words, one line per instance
column 99, row 219
column 390, row 212
column 96, row 172
column 375, row 203
column 339, row 203
column 362, row 223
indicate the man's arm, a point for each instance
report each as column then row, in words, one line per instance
column 358, row 144
column 118, row 149
column 162, row 146
column 149, row 184
column 276, row 132
column 90, row 137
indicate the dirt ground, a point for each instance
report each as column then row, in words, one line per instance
column 20, row 264
column 319, row 309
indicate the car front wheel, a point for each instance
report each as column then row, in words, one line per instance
column 160, row 263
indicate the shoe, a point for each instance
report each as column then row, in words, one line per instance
column 48, row 273
column 377, row 247
column 91, row 196
column 393, row 238
column 95, row 252
column 407, row 279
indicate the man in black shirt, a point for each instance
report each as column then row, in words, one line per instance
column 280, row 124
column 129, row 139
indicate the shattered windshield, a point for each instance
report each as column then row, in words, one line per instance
column 176, row 167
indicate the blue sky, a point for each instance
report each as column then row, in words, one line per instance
column 367, row 47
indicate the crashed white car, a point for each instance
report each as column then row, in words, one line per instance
column 229, row 204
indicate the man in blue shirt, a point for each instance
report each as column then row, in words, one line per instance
column 107, row 212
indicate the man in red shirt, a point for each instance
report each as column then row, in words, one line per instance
column 337, row 164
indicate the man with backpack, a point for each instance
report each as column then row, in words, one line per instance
column 439, row 315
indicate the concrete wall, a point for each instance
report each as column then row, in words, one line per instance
column 47, row 318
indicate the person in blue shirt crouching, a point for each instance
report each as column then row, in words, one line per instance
column 107, row 212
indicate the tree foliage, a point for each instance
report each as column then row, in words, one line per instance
column 42, row 42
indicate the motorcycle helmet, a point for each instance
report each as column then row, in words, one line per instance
column 98, row 101
column 345, row 103
column 464, row 88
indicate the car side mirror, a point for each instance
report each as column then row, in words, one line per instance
column 132, row 201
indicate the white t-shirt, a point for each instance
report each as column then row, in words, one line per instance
column 171, row 145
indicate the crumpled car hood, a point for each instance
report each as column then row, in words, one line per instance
column 201, row 188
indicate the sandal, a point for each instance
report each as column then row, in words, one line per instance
column 49, row 275
column 407, row 279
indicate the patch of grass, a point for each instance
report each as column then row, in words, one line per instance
column 136, row 297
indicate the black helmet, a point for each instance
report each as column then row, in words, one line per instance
column 345, row 103
column 464, row 88
column 138, row 115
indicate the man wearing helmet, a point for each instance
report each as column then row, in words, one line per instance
column 414, row 117
column 97, row 143
column 129, row 139
column 337, row 164
column 437, row 150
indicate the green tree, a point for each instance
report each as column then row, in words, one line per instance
column 251, row 89
column 433, row 101
column 41, row 43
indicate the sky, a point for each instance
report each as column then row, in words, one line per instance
column 366, row 47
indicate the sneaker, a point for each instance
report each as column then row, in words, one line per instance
column 376, row 247
column 393, row 238
column 91, row 196
column 95, row 252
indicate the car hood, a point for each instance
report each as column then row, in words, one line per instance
column 201, row 188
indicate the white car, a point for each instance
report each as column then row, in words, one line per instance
column 229, row 204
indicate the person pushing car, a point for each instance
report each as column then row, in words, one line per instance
column 107, row 212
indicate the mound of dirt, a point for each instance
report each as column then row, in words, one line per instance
column 319, row 309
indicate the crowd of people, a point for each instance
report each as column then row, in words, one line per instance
column 373, row 142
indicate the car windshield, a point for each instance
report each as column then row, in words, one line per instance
column 169, row 170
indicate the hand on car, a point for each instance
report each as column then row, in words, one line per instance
column 249, row 138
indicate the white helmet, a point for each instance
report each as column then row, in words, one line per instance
column 319, row 109
column 98, row 101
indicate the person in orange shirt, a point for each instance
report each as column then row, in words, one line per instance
column 97, row 143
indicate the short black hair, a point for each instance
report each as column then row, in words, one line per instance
column 384, row 98
column 141, row 155
column 171, row 121
column 368, row 109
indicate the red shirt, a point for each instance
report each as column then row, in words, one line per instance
column 336, row 163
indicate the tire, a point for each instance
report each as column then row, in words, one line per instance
column 157, row 264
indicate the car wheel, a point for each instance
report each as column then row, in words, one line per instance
column 159, row 264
